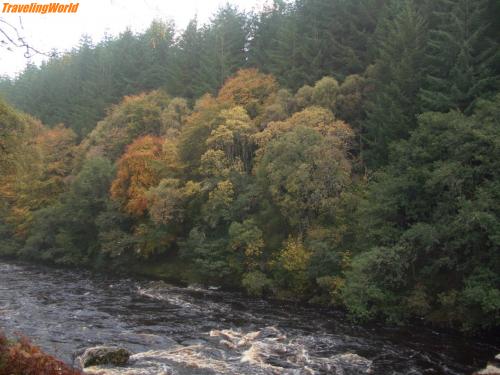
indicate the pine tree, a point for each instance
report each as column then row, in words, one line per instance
column 460, row 56
column 397, row 79
column 224, row 49
column 263, row 40
column 284, row 57
column 186, row 62
column 157, row 44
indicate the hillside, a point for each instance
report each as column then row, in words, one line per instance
column 344, row 153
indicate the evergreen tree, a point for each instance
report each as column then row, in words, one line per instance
column 431, row 223
column 264, row 35
column 157, row 43
column 397, row 78
column 460, row 56
column 186, row 62
column 223, row 49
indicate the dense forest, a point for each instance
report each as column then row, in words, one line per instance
column 345, row 153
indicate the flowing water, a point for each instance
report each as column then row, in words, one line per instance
column 207, row 331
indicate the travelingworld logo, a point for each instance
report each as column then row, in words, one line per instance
column 40, row 8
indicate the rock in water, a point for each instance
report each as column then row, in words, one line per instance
column 489, row 370
column 493, row 368
column 105, row 355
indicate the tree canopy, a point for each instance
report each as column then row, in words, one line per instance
column 344, row 153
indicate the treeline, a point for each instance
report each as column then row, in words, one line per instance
column 363, row 172
column 298, row 42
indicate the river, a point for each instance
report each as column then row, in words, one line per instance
column 65, row 311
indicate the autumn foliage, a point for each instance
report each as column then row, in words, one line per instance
column 20, row 357
column 271, row 190
column 248, row 88
column 134, row 117
column 137, row 172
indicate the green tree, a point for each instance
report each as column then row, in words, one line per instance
column 397, row 77
column 431, row 220
column 66, row 231
column 460, row 56
column 135, row 116
column 186, row 62
column 304, row 173
column 223, row 50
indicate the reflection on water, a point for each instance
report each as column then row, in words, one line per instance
column 65, row 311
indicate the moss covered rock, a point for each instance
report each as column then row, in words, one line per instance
column 105, row 355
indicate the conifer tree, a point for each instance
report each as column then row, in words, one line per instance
column 460, row 56
column 186, row 62
column 397, row 79
column 223, row 49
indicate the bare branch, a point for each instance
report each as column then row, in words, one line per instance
column 11, row 38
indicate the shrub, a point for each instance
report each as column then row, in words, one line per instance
column 20, row 357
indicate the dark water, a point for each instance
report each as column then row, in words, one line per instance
column 64, row 311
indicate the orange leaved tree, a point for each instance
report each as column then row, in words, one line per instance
column 145, row 162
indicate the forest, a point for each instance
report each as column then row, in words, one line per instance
column 340, row 153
